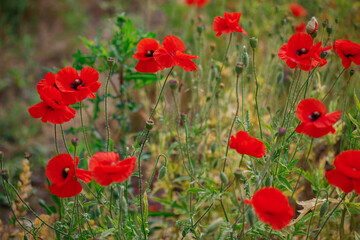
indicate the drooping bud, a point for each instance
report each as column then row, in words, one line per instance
column 162, row 172
column 312, row 26
column 224, row 178
column 149, row 124
column 239, row 68
column 324, row 208
column 253, row 42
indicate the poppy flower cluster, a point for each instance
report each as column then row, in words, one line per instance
column 228, row 24
column 245, row 144
column 346, row 174
column 315, row 121
column 348, row 52
column 300, row 52
column 153, row 57
column 105, row 168
column 198, row 3
column 272, row 207
column 58, row 91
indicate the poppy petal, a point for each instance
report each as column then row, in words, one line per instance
column 70, row 189
column 337, row 178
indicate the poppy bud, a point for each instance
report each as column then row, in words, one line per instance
column 238, row 173
column 214, row 225
column 162, row 172
column 323, row 54
column 324, row 208
column 173, row 84
column 200, row 28
column 239, row 68
column 224, row 178
column 74, row 141
column 5, row 174
column 329, row 29
column 312, row 26
column 253, row 42
column 251, row 217
column 282, row 131
column 245, row 57
column 352, row 72
column 149, row 124
column 110, row 62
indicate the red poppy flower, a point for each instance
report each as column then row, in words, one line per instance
column 227, row 24
column 77, row 87
column 145, row 54
column 301, row 27
column 198, row 3
column 244, row 144
column 60, row 172
column 314, row 120
column 48, row 82
column 272, row 207
column 348, row 52
column 300, row 51
column 346, row 174
column 106, row 168
column 52, row 108
column 172, row 54
column 297, row 10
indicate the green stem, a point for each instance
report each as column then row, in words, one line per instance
column 256, row 93
column 153, row 173
column 328, row 217
column 106, row 109
column 83, row 129
column 337, row 78
column 63, row 137
column 203, row 215
column 226, row 52
column 300, row 174
column 312, row 214
column 55, row 140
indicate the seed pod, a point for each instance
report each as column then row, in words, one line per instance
column 214, row 225
column 324, row 208
column 149, row 124
column 224, row 178
column 253, row 42
column 110, row 62
column 329, row 29
column 162, row 172
column 173, row 84
column 251, row 217
column 239, row 68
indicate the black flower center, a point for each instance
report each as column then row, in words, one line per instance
column 65, row 172
column 349, row 55
column 149, row 53
column 314, row 116
column 77, row 82
column 301, row 51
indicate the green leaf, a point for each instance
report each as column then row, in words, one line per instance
column 284, row 183
column 357, row 101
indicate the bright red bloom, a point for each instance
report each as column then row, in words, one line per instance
column 301, row 27
column 227, row 24
column 300, row 51
column 172, row 54
column 75, row 87
column 314, row 120
column 272, row 207
column 52, row 108
column 346, row 176
column 48, row 82
column 145, row 54
column 348, row 52
column 198, row 3
column 61, row 173
column 106, row 168
column 297, row 10
column 245, row 144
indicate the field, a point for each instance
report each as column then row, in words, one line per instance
column 179, row 119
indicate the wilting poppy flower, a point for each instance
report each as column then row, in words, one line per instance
column 301, row 27
column 106, row 168
column 348, row 52
column 52, row 108
column 61, row 173
column 297, row 10
column 227, row 24
column 198, row 3
column 300, row 51
column 77, row 87
column 314, row 120
column 346, row 174
column 272, row 207
column 145, row 54
column 245, row 144
column 172, row 54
